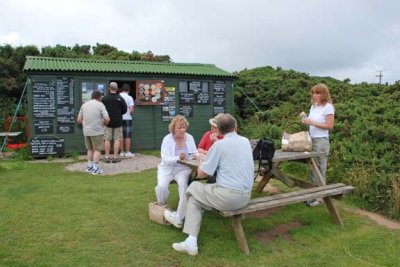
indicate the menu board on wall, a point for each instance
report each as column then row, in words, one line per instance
column 44, row 146
column 43, row 99
column 65, row 91
column 150, row 92
column 186, row 98
column 186, row 110
column 168, row 108
column 65, row 128
column 66, row 114
column 43, row 127
column 195, row 87
column 194, row 92
column 203, row 98
column 219, row 99
column 217, row 110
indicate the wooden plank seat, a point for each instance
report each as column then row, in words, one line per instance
column 269, row 202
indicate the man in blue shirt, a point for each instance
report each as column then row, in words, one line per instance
column 232, row 159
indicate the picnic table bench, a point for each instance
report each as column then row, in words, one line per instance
column 310, row 191
column 280, row 200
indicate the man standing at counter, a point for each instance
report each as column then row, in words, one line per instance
column 116, row 107
column 93, row 116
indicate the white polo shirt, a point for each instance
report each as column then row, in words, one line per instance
column 232, row 158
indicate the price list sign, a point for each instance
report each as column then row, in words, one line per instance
column 47, row 146
column 43, row 99
column 43, row 127
column 186, row 110
column 65, row 105
column 65, row 91
column 219, row 99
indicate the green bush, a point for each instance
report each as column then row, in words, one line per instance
column 365, row 142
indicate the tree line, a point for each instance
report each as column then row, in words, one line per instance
column 12, row 60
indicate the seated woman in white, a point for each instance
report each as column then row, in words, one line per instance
column 176, row 145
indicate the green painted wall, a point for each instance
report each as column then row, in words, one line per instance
column 148, row 127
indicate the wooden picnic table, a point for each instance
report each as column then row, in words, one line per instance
column 317, row 189
column 280, row 157
column 193, row 164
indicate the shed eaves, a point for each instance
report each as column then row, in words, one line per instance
column 41, row 64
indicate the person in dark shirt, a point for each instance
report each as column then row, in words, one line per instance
column 116, row 107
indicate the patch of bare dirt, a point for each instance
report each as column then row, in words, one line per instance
column 281, row 231
column 379, row 219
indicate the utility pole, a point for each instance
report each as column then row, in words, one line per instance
column 380, row 75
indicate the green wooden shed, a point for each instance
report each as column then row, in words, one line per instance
column 57, row 87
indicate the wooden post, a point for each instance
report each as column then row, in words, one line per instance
column 328, row 201
column 239, row 233
column 264, row 181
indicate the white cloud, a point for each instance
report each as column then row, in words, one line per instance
column 342, row 39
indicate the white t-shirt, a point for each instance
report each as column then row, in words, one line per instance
column 129, row 103
column 93, row 113
column 318, row 114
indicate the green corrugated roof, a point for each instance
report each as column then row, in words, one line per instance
column 119, row 66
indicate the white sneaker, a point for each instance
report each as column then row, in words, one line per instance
column 97, row 171
column 170, row 216
column 313, row 203
column 89, row 169
column 129, row 155
column 185, row 248
column 122, row 155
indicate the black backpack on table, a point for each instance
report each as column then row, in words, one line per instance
column 264, row 152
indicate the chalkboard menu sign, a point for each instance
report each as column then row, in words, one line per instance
column 203, row 98
column 186, row 98
column 219, row 94
column 43, row 99
column 195, row 87
column 186, row 110
column 66, row 114
column 43, row 127
column 65, row 128
column 65, row 91
column 217, row 110
column 47, row 146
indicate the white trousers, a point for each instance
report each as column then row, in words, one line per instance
column 165, row 175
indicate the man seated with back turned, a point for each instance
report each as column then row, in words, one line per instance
column 232, row 158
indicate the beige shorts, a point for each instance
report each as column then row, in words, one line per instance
column 112, row 133
column 94, row 143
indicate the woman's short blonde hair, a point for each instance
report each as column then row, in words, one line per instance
column 177, row 119
column 323, row 90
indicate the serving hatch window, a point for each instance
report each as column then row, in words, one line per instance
column 87, row 87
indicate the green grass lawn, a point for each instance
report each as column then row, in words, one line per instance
column 51, row 217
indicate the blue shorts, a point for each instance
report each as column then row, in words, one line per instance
column 126, row 128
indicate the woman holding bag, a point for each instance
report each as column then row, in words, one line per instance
column 320, row 120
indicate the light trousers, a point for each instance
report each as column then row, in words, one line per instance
column 321, row 144
column 200, row 197
column 165, row 176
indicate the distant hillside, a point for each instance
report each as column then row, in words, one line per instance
column 365, row 142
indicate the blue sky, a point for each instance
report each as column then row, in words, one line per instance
column 342, row 39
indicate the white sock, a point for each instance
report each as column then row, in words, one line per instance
column 90, row 163
column 191, row 240
column 95, row 166
column 178, row 217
